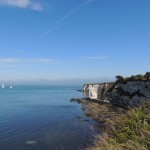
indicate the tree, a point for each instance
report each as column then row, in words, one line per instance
column 138, row 77
column 147, row 75
column 119, row 78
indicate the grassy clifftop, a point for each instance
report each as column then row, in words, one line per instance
column 130, row 131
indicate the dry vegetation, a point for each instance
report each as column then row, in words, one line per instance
column 130, row 131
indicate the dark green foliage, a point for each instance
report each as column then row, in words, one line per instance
column 147, row 75
column 119, row 79
column 138, row 77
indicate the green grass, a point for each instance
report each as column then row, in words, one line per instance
column 131, row 131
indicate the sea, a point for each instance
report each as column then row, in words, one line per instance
column 41, row 117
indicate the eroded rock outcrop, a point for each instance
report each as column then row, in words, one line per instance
column 131, row 93
column 97, row 91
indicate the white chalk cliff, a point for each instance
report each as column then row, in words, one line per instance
column 96, row 91
column 131, row 93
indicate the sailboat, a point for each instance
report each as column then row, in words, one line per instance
column 3, row 86
column 11, row 87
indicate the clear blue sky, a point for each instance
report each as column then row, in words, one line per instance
column 73, row 40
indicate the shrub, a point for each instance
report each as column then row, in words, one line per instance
column 131, row 131
column 147, row 75
column 119, row 79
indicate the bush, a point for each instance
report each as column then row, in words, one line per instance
column 147, row 75
column 119, row 79
column 138, row 77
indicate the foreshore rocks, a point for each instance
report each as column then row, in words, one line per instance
column 129, row 94
column 103, row 113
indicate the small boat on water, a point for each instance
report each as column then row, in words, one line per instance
column 3, row 86
column 11, row 87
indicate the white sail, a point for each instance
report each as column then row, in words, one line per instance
column 11, row 87
column 3, row 86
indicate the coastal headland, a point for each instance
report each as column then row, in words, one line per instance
column 122, row 110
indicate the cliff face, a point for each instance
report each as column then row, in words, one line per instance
column 124, row 94
column 97, row 91
column 130, row 93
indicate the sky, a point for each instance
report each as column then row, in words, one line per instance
column 73, row 41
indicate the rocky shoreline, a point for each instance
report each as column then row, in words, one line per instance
column 122, row 111
column 118, row 128
column 102, row 112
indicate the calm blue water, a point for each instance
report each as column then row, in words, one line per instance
column 42, row 118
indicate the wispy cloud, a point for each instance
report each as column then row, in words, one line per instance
column 60, row 21
column 12, row 65
column 8, row 60
column 25, row 62
column 23, row 4
column 52, row 28
column 41, row 60
column 19, row 62
column 84, row 59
